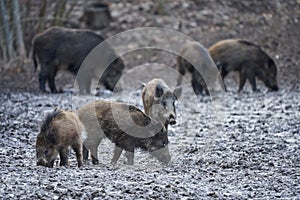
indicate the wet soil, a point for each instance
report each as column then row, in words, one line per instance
column 231, row 146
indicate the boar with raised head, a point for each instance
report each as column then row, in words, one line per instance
column 60, row 48
column 248, row 59
column 59, row 130
column 205, row 77
column 159, row 101
column 126, row 126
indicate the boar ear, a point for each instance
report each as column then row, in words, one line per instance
column 39, row 142
column 141, row 86
column 159, row 91
column 177, row 92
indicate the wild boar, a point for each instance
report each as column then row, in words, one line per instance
column 159, row 101
column 126, row 126
column 205, row 77
column 248, row 59
column 59, row 130
column 60, row 48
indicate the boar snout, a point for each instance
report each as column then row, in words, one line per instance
column 45, row 163
column 171, row 120
column 274, row 88
column 162, row 155
column 41, row 162
column 272, row 85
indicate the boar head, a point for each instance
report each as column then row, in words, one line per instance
column 164, row 104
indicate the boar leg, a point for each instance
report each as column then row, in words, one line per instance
column 242, row 81
column 52, row 84
column 78, row 151
column 196, row 86
column 42, row 81
column 253, row 83
column 116, row 156
column 84, row 83
column 92, row 144
column 130, row 157
column 181, row 73
column 63, row 154
column 85, row 153
column 51, row 79
column 94, row 153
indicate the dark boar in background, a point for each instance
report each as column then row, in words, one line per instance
column 206, row 76
column 159, row 101
column 248, row 59
column 124, row 125
column 59, row 130
column 60, row 48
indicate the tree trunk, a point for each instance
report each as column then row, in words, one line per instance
column 58, row 13
column 18, row 29
column 2, row 43
column 7, row 32
column 42, row 13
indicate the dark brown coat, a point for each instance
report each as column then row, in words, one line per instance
column 248, row 59
column 124, row 125
column 60, row 48
column 59, row 130
column 206, row 76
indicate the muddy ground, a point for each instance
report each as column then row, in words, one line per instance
column 231, row 146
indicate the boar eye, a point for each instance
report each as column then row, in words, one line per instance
column 46, row 151
column 164, row 104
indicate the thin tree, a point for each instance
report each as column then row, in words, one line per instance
column 42, row 14
column 18, row 29
column 7, row 32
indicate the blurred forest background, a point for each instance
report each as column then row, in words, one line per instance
column 272, row 24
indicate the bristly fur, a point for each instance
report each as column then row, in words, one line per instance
column 49, row 117
column 246, row 42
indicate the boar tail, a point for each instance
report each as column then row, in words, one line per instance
column 34, row 59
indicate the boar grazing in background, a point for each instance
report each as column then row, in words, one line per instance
column 248, row 59
column 124, row 125
column 59, row 130
column 159, row 101
column 203, row 79
column 65, row 49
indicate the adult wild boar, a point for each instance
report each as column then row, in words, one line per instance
column 60, row 48
column 248, row 59
column 59, row 130
column 126, row 126
column 159, row 101
column 206, row 76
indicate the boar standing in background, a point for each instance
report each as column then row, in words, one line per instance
column 248, row 59
column 193, row 54
column 159, row 101
column 60, row 48
column 124, row 125
column 59, row 130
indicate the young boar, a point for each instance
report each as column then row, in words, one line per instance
column 124, row 125
column 59, row 130
column 248, row 59
column 159, row 101
column 60, row 48
column 205, row 78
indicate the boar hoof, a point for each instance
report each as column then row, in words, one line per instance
column 128, row 162
column 95, row 162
